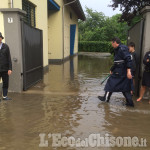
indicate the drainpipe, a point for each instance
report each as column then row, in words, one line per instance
column 140, row 59
column 63, row 19
column 11, row 4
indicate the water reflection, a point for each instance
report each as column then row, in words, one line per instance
column 66, row 102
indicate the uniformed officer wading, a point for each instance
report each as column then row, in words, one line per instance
column 5, row 66
column 120, row 79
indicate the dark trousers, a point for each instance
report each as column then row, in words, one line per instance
column 127, row 95
column 5, row 79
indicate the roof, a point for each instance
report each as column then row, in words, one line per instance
column 76, row 6
column 52, row 5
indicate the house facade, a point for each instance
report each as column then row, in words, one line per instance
column 57, row 19
column 64, row 22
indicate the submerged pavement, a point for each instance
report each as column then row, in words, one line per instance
column 66, row 102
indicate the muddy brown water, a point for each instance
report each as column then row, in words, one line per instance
column 66, row 102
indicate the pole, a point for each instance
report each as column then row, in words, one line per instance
column 63, row 19
column 105, row 79
column 12, row 4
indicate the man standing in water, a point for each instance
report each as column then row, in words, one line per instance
column 146, row 76
column 120, row 79
column 5, row 66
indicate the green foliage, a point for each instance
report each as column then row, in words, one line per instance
column 135, row 20
column 129, row 8
column 95, row 46
column 97, row 31
column 99, row 27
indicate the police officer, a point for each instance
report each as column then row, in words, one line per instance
column 5, row 66
column 120, row 79
column 146, row 76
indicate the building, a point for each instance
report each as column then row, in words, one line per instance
column 58, row 22
column 63, row 26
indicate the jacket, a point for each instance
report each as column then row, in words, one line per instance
column 118, row 81
column 147, row 64
column 5, row 58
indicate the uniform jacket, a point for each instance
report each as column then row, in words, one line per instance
column 118, row 81
column 5, row 58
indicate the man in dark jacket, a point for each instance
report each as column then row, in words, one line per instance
column 5, row 66
column 146, row 76
column 120, row 79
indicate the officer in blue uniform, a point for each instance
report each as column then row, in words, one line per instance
column 120, row 79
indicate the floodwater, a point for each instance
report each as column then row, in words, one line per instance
column 66, row 102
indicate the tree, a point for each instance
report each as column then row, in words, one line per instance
column 92, row 26
column 129, row 8
column 120, row 29
column 99, row 27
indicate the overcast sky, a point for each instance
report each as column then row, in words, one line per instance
column 100, row 6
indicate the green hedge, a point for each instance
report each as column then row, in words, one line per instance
column 96, row 46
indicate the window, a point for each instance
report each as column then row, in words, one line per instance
column 30, row 16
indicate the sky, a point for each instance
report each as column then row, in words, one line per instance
column 100, row 6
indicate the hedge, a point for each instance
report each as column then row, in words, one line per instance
column 95, row 46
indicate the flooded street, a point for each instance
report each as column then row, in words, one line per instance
column 66, row 102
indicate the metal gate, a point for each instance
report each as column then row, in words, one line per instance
column 32, row 43
column 135, row 34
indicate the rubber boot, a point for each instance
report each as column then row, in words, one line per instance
column 128, row 97
column 129, row 103
column 106, row 97
column 109, row 95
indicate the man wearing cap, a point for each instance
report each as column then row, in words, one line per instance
column 5, row 66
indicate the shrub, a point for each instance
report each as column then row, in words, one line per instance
column 95, row 46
